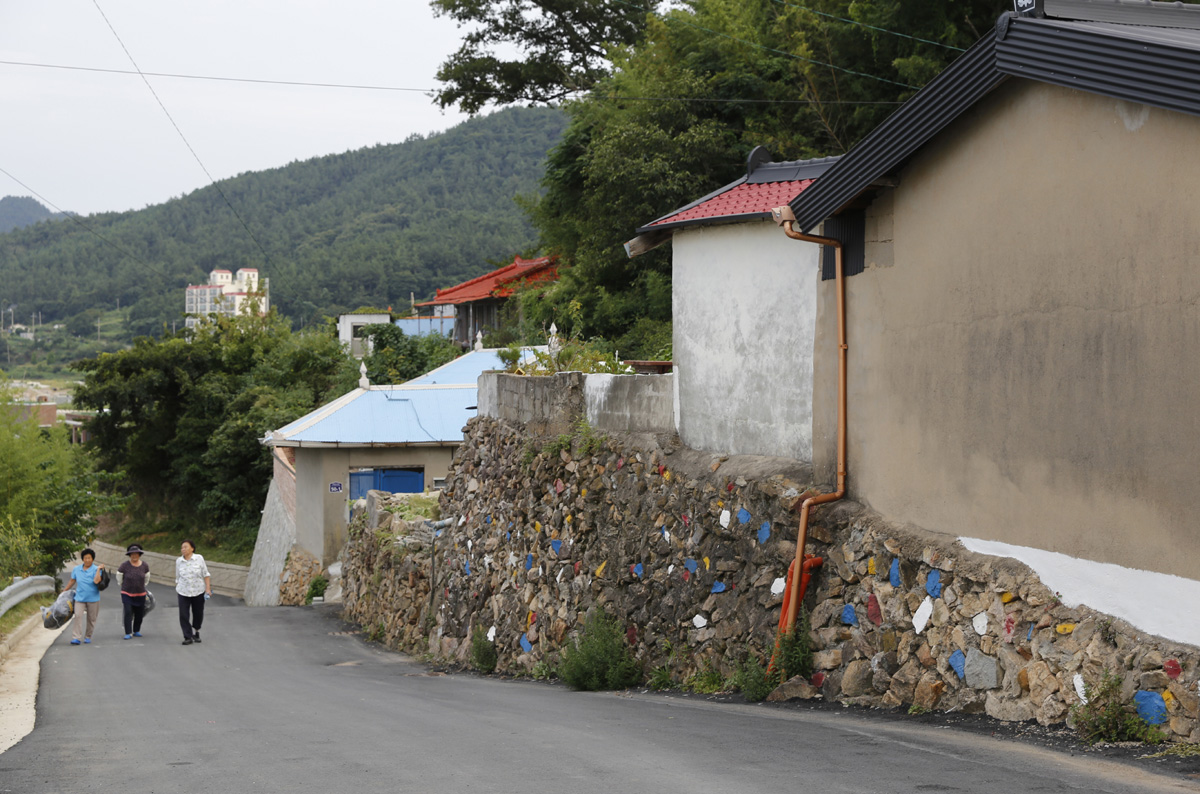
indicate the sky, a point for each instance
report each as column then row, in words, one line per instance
column 93, row 142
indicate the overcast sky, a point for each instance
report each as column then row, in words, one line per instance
column 91, row 142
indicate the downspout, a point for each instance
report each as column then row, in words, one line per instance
column 801, row 567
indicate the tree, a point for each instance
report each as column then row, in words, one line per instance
column 563, row 45
column 396, row 357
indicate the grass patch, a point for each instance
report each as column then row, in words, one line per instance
column 18, row 614
column 754, row 681
column 1104, row 717
column 1178, row 751
column 707, row 679
column 417, row 505
column 600, row 658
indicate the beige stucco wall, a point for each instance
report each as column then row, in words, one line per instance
column 321, row 516
column 1023, row 346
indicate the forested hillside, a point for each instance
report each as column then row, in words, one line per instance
column 18, row 211
column 333, row 233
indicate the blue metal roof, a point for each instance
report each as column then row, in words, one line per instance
column 430, row 409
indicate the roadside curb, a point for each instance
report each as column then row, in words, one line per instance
column 14, row 639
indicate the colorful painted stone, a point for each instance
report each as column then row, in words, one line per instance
column 706, row 564
column 670, row 569
column 528, row 561
column 558, row 486
column 666, row 536
column 1167, row 697
column 725, row 518
column 620, row 463
column 980, row 623
column 933, row 584
column 578, row 563
column 687, row 576
column 874, row 613
column 849, row 616
column 526, row 645
column 1151, row 707
column 1172, row 669
column 467, row 566
column 667, row 476
column 1010, row 627
column 686, row 520
column 1064, row 628
column 871, row 566
column 600, row 570
column 537, row 526
column 958, row 662
column 894, row 573
column 508, row 536
column 637, row 570
column 699, row 621
column 729, row 488
column 743, row 516
column 764, row 532
column 1029, row 636
column 921, row 616
column 718, row 587
column 1080, row 689
column 487, row 520
column 1006, row 597
column 491, row 635
column 690, row 564
column 818, row 679
column 556, row 545
column 778, row 586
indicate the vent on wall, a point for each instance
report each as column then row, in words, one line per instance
column 850, row 228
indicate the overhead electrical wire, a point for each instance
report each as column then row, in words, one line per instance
column 426, row 91
column 183, row 137
column 869, row 26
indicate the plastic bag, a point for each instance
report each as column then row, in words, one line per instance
column 149, row 604
column 104, row 579
column 57, row 614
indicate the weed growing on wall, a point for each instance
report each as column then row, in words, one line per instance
column 707, row 679
column 1104, row 717
column 600, row 657
column 754, row 680
column 483, row 651
column 316, row 588
column 794, row 656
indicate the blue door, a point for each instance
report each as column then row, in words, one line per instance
column 399, row 480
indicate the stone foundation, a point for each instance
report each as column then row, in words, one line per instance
column 690, row 550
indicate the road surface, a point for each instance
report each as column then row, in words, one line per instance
column 284, row 700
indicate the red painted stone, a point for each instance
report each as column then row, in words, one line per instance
column 874, row 613
column 1172, row 669
column 631, row 635
column 620, row 463
column 729, row 487
column 1010, row 627
column 686, row 521
column 818, row 679
column 686, row 575
column 558, row 486
column 661, row 469
column 577, row 564
column 631, row 570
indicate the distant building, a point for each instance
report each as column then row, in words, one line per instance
column 352, row 328
column 475, row 304
column 226, row 294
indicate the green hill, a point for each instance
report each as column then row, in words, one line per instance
column 18, row 211
column 332, row 233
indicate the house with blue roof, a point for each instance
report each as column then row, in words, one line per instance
column 399, row 439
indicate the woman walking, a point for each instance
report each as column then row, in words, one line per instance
column 85, row 581
column 193, row 587
column 135, row 575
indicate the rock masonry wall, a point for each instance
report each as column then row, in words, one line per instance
column 690, row 550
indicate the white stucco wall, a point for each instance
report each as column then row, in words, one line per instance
column 744, row 301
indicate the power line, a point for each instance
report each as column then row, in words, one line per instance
column 872, row 27
column 183, row 137
column 427, row 91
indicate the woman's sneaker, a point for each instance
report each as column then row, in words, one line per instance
column 196, row 636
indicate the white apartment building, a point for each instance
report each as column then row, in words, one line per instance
column 227, row 294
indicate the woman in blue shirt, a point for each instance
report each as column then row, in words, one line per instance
column 85, row 581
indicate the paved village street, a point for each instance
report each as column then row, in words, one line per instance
column 286, row 700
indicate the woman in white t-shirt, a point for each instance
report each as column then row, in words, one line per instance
column 193, row 586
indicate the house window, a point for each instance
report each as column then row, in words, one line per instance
column 849, row 227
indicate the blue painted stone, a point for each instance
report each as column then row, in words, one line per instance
column 528, row 561
column 439, row 533
column 637, row 570
column 467, row 565
column 690, row 564
column 718, row 587
column 933, row 584
column 508, row 536
column 556, row 545
column 526, row 645
column 1029, row 636
column 1151, row 707
column 764, row 532
column 894, row 573
column 743, row 516
column 959, row 662
column 487, row 520
column 849, row 616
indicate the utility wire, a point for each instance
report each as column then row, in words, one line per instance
column 76, row 219
column 426, row 91
column 772, row 49
column 872, row 27
column 183, row 137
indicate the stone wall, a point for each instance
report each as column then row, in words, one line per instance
column 689, row 551
column 298, row 572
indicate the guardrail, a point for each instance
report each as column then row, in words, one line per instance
column 21, row 589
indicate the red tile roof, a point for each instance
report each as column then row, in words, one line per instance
column 743, row 199
column 499, row 283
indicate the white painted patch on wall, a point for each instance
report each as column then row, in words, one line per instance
column 922, row 615
column 1153, row 602
column 778, row 586
column 1133, row 114
column 979, row 622
column 596, row 388
column 1079, row 689
column 699, row 621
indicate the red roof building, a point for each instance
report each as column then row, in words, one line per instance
column 476, row 303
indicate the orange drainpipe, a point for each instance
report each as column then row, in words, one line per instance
column 794, row 592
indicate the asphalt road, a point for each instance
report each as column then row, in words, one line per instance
column 281, row 700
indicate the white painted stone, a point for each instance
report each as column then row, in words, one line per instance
column 666, row 536
column 468, row 544
column 699, row 621
column 922, row 615
column 462, row 521
column 778, row 586
column 725, row 518
column 980, row 622
column 1079, row 689
column 670, row 568
column 491, row 635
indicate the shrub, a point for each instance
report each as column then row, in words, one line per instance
column 483, row 651
column 707, row 679
column 755, row 681
column 542, row 671
column 600, row 658
column 316, row 588
column 794, row 655
column 661, row 678
column 1104, row 717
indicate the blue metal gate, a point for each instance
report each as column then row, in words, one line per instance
column 389, row 480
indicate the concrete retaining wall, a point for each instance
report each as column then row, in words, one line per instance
column 549, row 406
column 228, row 580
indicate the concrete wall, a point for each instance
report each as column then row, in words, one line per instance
column 549, row 405
column 321, row 516
column 226, row 579
column 1021, row 347
column 744, row 302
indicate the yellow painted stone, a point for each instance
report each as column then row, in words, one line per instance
column 600, row 570
column 583, row 493
column 537, row 526
column 529, row 619
column 706, row 563
column 1006, row 597
column 1065, row 628
column 1167, row 696
column 720, row 503
column 568, row 518
column 871, row 566
column 667, row 475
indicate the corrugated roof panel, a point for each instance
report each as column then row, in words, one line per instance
column 394, row 415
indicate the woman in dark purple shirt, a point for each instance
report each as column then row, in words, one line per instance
column 135, row 574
